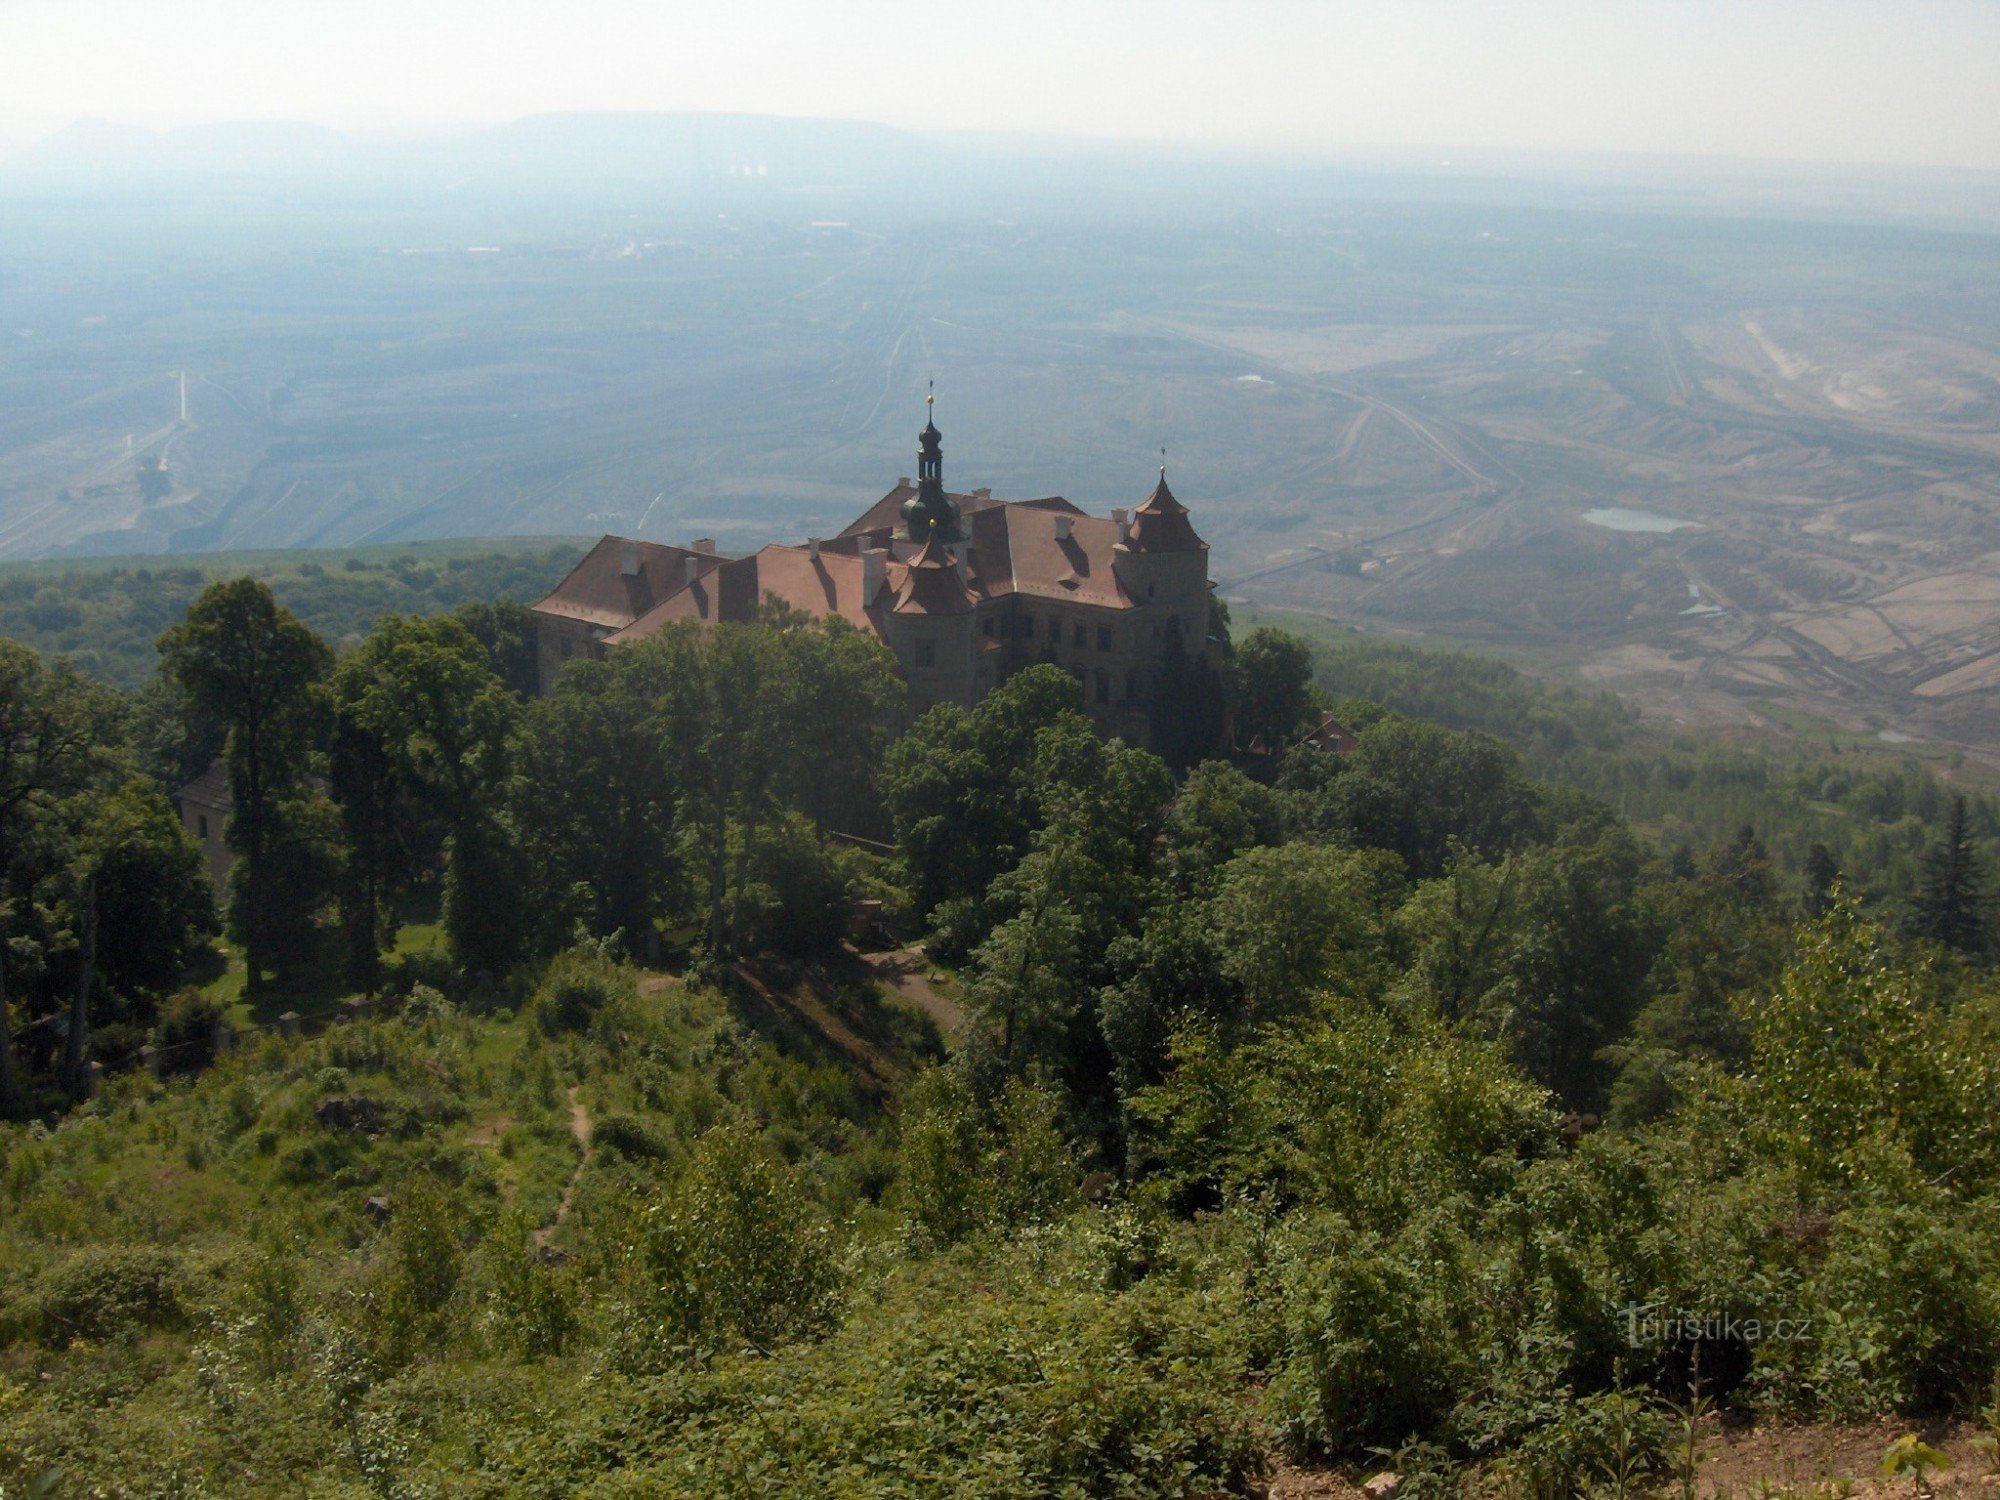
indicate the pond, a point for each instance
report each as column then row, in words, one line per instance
column 1618, row 518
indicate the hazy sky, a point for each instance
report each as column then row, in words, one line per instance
column 1842, row 80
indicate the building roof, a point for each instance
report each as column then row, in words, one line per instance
column 1161, row 523
column 1021, row 549
column 621, row 579
column 1044, row 549
column 829, row 584
column 210, row 789
column 930, row 583
column 886, row 513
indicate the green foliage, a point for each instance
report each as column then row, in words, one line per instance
column 1272, row 685
column 106, row 619
column 104, row 1292
column 1910, row 1457
column 1293, row 919
column 186, row 1031
column 962, row 1169
column 152, row 889
column 246, row 666
column 1844, row 1029
column 733, row 1253
column 580, row 984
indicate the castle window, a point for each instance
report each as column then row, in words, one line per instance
column 1131, row 687
column 987, row 625
column 1081, row 636
column 202, row 818
column 1104, row 638
column 1103, row 687
column 1028, row 625
column 926, row 653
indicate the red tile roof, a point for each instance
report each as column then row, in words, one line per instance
column 1016, row 550
column 930, row 582
column 600, row 592
column 827, row 585
column 1161, row 523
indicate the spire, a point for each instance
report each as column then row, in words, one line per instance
column 930, row 510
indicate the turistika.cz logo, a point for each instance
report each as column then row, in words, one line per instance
column 1653, row 1323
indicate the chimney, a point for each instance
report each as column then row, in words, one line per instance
column 1123, row 520
column 902, row 481
column 874, row 565
column 812, row 548
column 705, row 545
column 693, row 569
column 628, row 558
column 1063, row 525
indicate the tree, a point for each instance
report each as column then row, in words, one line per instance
column 1217, row 814
column 246, row 663
column 1190, row 709
column 1292, row 918
column 152, row 889
column 425, row 689
column 56, row 733
column 1273, row 686
column 373, row 815
column 506, row 632
column 1953, row 904
column 1424, row 791
column 960, row 785
column 600, row 787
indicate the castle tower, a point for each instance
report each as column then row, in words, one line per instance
column 930, row 512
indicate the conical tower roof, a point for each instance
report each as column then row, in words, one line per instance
column 1161, row 523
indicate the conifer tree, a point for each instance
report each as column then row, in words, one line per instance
column 1952, row 904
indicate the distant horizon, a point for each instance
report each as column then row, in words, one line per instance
column 1437, row 155
column 1891, row 83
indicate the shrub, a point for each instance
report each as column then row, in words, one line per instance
column 1613, row 1443
column 735, row 1250
column 186, row 1031
column 1376, row 1349
column 1907, row 1313
column 109, row 1291
column 627, row 1136
column 581, row 982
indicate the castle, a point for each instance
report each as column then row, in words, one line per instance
column 965, row 590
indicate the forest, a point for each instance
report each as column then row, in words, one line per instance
column 525, row 1117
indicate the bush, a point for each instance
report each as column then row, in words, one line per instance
column 1907, row 1311
column 185, row 1034
column 1611, row 1443
column 580, row 983
column 735, row 1251
column 1377, row 1351
column 623, row 1135
column 109, row 1291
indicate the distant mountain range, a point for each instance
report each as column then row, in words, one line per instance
column 565, row 148
column 579, row 153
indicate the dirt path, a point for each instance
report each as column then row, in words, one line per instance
column 579, row 1128
column 809, row 1007
column 904, row 971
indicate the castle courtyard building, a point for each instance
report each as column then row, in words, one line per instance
column 965, row 590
